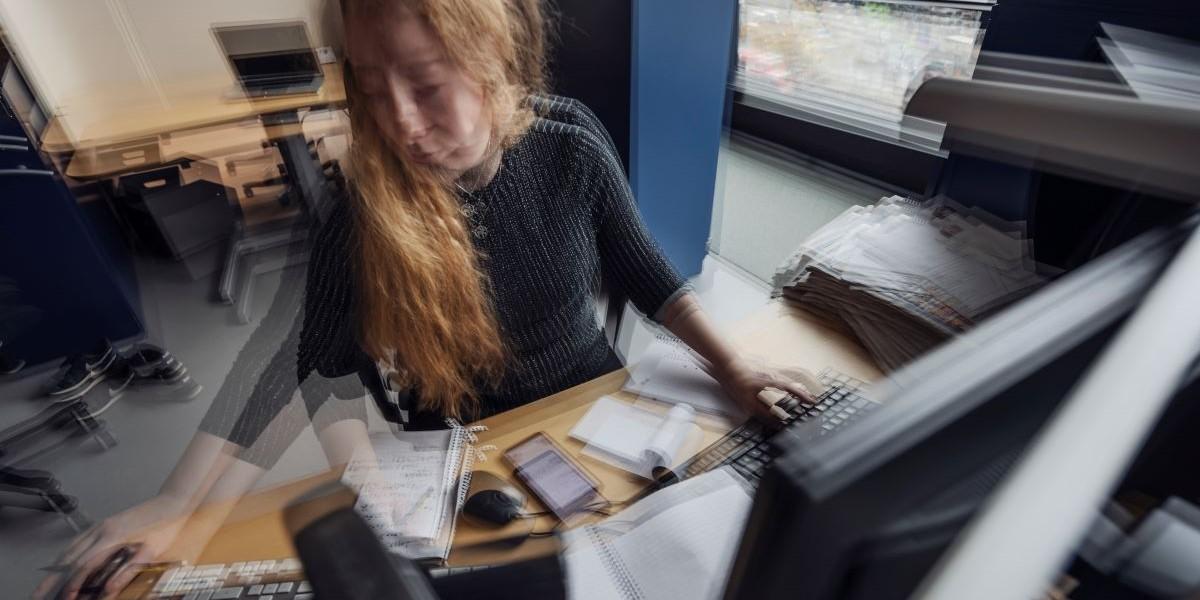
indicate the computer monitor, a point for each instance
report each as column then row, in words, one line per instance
column 867, row 513
column 271, row 58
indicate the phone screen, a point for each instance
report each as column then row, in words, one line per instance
column 558, row 483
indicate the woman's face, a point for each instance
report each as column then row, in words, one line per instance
column 426, row 108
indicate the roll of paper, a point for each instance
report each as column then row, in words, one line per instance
column 670, row 436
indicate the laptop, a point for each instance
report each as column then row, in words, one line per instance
column 271, row 59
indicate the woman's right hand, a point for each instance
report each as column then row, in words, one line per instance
column 153, row 524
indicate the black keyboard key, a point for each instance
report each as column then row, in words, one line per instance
column 748, row 450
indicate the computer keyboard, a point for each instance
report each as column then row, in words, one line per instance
column 748, row 449
column 253, row 580
column 259, row 580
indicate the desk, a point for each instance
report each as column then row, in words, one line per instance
column 115, row 114
column 115, row 129
column 118, row 129
column 194, row 143
column 255, row 530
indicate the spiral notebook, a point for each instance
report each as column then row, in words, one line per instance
column 411, row 487
column 635, row 439
column 676, row 543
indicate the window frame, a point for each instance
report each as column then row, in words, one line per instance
column 871, row 157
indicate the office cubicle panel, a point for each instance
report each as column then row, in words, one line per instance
column 681, row 58
column 589, row 60
column 62, row 294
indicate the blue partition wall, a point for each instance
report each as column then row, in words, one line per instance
column 680, row 68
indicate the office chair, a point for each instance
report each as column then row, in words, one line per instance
column 44, row 500
column 30, row 478
column 307, row 178
column 73, row 417
column 40, row 490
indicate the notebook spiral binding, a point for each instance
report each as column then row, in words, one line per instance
column 468, row 436
column 626, row 584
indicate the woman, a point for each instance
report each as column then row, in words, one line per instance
column 466, row 255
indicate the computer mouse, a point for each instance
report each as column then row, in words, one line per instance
column 93, row 585
column 493, row 500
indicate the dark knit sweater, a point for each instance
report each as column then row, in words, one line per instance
column 556, row 214
column 557, row 217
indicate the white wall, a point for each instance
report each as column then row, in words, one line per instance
column 66, row 46
column 69, row 47
column 766, row 204
column 176, row 37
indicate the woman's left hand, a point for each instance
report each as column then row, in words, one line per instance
column 743, row 379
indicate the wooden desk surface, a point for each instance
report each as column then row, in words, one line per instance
column 208, row 143
column 255, row 531
column 119, row 112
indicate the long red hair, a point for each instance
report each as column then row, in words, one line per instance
column 424, row 304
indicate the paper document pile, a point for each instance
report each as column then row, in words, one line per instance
column 902, row 276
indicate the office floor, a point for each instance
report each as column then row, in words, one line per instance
column 151, row 430
column 765, row 207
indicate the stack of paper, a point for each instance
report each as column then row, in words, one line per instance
column 676, row 543
column 903, row 276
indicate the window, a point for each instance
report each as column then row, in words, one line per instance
column 853, row 65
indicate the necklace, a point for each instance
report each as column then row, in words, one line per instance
column 472, row 206
column 475, row 175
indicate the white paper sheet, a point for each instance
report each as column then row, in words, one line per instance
column 668, row 372
column 407, row 489
column 632, row 438
column 677, row 543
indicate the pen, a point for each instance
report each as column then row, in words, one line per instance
column 416, row 505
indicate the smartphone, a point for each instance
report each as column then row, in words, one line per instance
column 548, row 471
